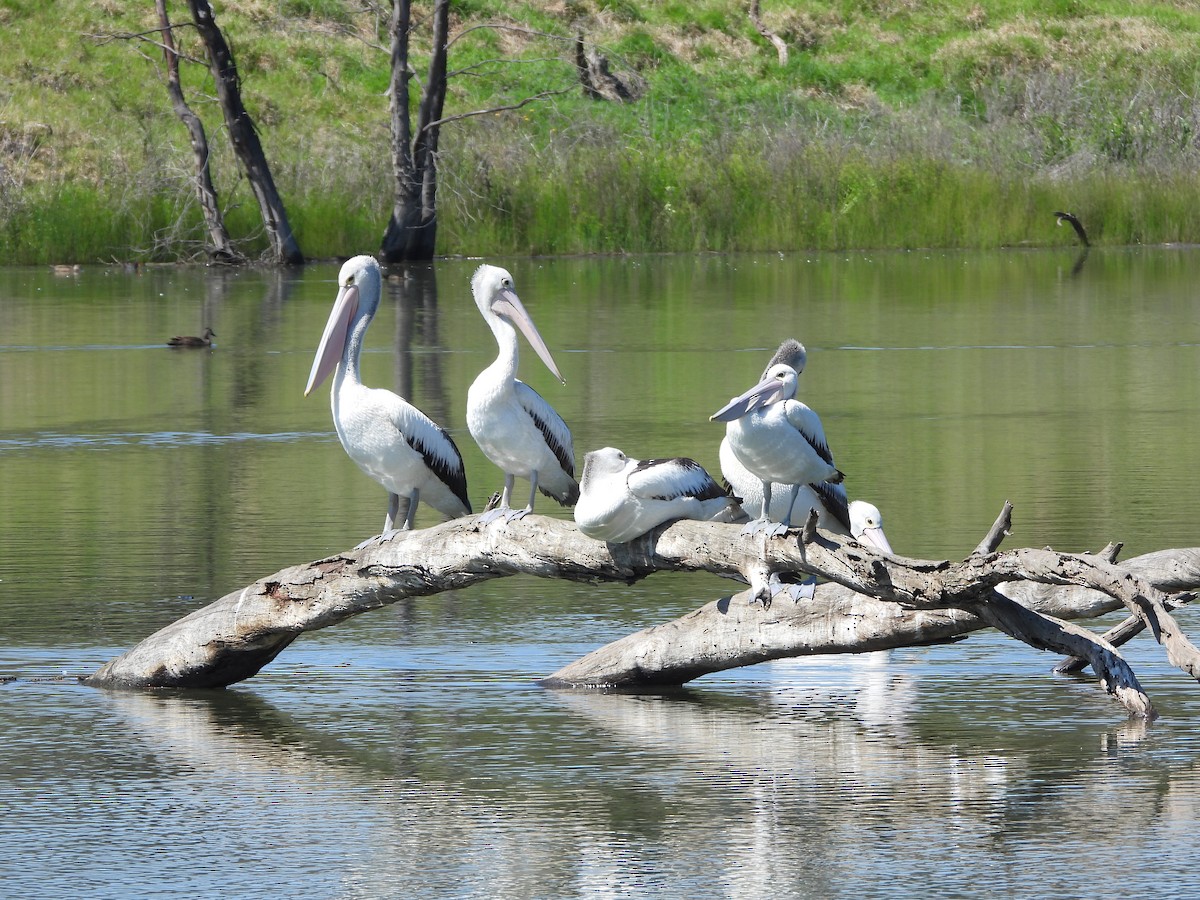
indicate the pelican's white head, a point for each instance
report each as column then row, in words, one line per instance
column 779, row 383
column 360, row 284
column 497, row 299
column 363, row 272
column 866, row 526
column 601, row 464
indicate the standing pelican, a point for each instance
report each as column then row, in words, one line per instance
column 829, row 500
column 514, row 427
column 778, row 439
column 622, row 498
column 390, row 439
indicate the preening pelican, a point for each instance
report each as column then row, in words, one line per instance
column 390, row 439
column 514, row 427
column 190, row 340
column 622, row 498
column 778, row 439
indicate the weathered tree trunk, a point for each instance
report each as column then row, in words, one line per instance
column 923, row 602
column 244, row 137
column 221, row 248
column 411, row 233
column 599, row 81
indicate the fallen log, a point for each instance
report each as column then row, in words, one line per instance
column 873, row 602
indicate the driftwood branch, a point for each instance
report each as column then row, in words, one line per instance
column 1119, row 634
column 876, row 602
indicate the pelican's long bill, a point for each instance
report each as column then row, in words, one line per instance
column 875, row 537
column 509, row 305
column 766, row 392
column 333, row 341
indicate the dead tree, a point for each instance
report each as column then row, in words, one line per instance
column 244, row 137
column 411, row 233
column 871, row 602
column 599, row 81
column 221, row 248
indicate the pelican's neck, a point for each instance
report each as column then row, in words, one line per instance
column 505, row 365
column 354, row 343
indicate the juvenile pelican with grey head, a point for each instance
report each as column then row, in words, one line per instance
column 514, row 427
column 779, row 440
column 829, row 500
column 387, row 437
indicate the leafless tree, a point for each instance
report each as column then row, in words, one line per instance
column 781, row 47
column 221, row 248
column 412, row 229
column 411, row 233
column 242, row 133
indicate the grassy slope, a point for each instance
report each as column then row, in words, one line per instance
column 894, row 123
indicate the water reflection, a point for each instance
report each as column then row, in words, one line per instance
column 407, row 753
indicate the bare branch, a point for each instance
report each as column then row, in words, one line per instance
column 498, row 109
column 108, row 37
column 1119, row 634
column 1001, row 528
column 500, row 26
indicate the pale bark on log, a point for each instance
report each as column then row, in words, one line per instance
column 234, row 637
column 1119, row 634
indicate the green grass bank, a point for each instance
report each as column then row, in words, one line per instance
column 892, row 124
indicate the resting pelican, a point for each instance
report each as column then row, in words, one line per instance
column 188, row 340
column 514, row 427
column 866, row 526
column 622, row 498
column 778, row 439
column 390, row 439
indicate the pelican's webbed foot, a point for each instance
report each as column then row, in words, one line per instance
column 765, row 527
column 803, row 590
column 491, row 515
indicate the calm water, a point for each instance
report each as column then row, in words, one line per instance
column 408, row 753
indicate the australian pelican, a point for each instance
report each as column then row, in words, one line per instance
column 829, row 500
column 866, row 526
column 779, row 440
column 622, row 498
column 390, row 439
column 514, row 427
